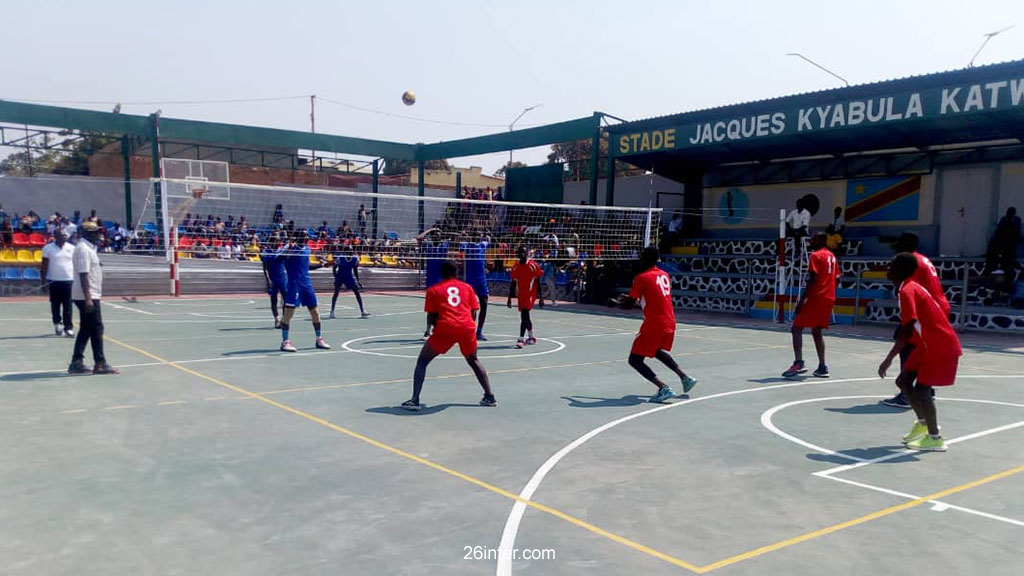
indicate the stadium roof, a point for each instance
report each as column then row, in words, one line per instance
column 979, row 104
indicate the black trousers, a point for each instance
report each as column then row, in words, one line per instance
column 90, row 329
column 60, row 303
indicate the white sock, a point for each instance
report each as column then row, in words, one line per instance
column 531, row 333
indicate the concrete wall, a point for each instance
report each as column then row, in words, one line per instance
column 636, row 191
column 65, row 194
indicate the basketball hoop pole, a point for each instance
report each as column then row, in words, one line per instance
column 175, row 278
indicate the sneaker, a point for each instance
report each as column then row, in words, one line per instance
column 104, row 368
column 821, row 372
column 331, row 316
column 688, row 384
column 928, row 444
column 917, row 431
column 531, row 341
column 69, row 333
column 796, row 368
column 412, row 405
column 897, row 401
column 322, row 345
column 364, row 314
column 277, row 324
column 78, row 368
column 488, row 400
column 520, row 343
column 58, row 329
column 663, row 395
column 480, row 336
column 287, row 346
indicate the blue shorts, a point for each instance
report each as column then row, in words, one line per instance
column 431, row 280
column 480, row 287
column 277, row 287
column 300, row 295
column 346, row 281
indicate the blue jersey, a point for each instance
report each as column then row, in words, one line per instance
column 275, row 266
column 435, row 253
column 476, row 268
column 345, row 267
column 297, row 264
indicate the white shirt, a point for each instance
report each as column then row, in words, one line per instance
column 798, row 219
column 87, row 261
column 838, row 223
column 59, row 262
column 675, row 224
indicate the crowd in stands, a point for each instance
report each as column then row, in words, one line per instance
column 32, row 231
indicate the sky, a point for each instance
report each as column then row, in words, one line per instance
column 477, row 62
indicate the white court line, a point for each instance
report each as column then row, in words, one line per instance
column 120, row 307
column 511, row 529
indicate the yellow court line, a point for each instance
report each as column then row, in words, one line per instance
column 409, row 456
column 849, row 523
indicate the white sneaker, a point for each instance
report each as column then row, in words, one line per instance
column 286, row 346
column 69, row 333
column 58, row 329
column 322, row 345
column 364, row 315
column 277, row 324
column 331, row 316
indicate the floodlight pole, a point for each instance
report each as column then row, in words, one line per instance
column 988, row 37
column 819, row 66
column 513, row 125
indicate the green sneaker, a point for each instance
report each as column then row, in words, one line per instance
column 688, row 384
column 917, row 431
column 662, row 396
column 928, row 444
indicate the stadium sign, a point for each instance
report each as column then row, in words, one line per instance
column 1004, row 94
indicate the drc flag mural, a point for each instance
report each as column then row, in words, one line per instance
column 883, row 199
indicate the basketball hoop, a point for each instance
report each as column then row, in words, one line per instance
column 197, row 193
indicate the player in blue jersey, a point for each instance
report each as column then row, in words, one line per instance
column 274, row 273
column 435, row 251
column 346, row 273
column 300, row 290
column 475, row 250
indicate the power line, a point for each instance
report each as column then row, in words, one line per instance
column 161, row 102
column 407, row 117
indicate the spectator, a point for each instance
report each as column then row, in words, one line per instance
column 836, row 229
column 186, row 223
column 118, row 237
column 86, row 291
column 278, row 215
column 798, row 221
column 76, row 218
column 3, row 215
column 675, row 225
column 361, row 220
column 6, row 232
column 57, row 271
column 93, row 217
column 1002, row 248
column 224, row 251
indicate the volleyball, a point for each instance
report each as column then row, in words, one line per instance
column 408, row 97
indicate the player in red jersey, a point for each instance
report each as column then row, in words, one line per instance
column 934, row 358
column 653, row 289
column 526, row 283
column 452, row 306
column 928, row 277
column 814, row 310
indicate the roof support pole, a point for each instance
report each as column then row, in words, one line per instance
column 420, row 191
column 376, row 189
column 154, row 137
column 126, row 157
column 693, row 203
column 595, row 154
column 609, row 183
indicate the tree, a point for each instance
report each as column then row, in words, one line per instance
column 396, row 166
column 500, row 172
column 67, row 156
column 576, row 155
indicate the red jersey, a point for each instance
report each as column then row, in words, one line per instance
column 928, row 277
column 826, row 271
column 453, row 301
column 933, row 334
column 526, row 276
column 653, row 288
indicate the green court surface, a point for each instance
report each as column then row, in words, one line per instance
column 212, row 452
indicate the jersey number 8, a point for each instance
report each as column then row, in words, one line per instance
column 454, row 298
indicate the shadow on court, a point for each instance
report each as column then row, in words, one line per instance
column 26, row 377
column 780, row 379
column 427, row 409
column 49, row 336
column 874, row 408
column 249, row 329
column 253, row 352
column 597, row 402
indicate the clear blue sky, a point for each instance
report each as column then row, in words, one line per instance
column 475, row 61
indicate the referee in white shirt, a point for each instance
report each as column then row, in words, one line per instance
column 86, row 291
column 58, row 272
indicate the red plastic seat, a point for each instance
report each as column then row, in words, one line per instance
column 37, row 240
column 21, row 240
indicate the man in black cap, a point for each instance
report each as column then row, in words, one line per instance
column 86, row 291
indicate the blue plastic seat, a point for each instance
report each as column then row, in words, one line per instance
column 149, row 227
column 32, row 274
column 12, row 274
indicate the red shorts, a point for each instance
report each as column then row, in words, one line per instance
column 442, row 340
column 526, row 303
column 932, row 371
column 651, row 339
column 815, row 313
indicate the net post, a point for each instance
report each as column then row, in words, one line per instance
column 173, row 246
column 647, row 227
column 163, row 217
column 161, row 203
column 421, row 192
column 376, row 190
column 780, row 269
